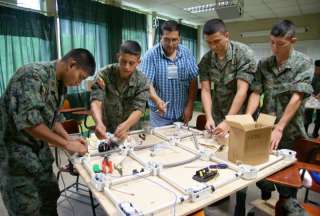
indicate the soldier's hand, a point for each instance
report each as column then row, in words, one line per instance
column 77, row 146
column 100, row 83
column 162, row 107
column 221, row 130
column 100, row 131
column 187, row 114
column 276, row 136
column 210, row 125
column 80, row 139
column 122, row 131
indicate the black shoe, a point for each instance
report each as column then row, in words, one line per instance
column 265, row 195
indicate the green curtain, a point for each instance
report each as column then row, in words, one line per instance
column 99, row 28
column 25, row 37
column 134, row 27
column 83, row 24
column 189, row 36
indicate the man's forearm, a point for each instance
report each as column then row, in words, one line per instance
column 42, row 132
column 253, row 103
column 239, row 98
column 96, row 110
column 290, row 110
column 133, row 118
column 192, row 92
column 206, row 98
column 153, row 95
column 59, row 129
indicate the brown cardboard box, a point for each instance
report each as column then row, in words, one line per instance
column 249, row 141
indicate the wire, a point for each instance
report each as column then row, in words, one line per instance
column 165, row 188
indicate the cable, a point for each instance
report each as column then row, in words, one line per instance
column 181, row 162
column 165, row 188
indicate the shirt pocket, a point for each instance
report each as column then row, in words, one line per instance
column 215, row 75
column 230, row 75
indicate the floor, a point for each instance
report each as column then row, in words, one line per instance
column 68, row 206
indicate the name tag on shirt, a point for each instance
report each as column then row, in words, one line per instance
column 172, row 71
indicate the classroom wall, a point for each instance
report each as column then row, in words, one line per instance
column 308, row 43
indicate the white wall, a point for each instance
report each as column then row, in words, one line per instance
column 308, row 47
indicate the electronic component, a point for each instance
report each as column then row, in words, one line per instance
column 108, row 145
column 205, row 174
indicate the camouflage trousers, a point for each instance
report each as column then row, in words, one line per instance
column 31, row 195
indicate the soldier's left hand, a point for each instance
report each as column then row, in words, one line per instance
column 221, row 130
column 276, row 136
column 100, row 83
column 187, row 114
column 122, row 131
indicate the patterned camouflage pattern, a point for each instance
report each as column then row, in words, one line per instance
column 279, row 85
column 32, row 195
column 239, row 63
column 120, row 99
column 33, row 96
column 316, row 84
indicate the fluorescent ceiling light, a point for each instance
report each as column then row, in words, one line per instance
column 267, row 32
column 200, row 8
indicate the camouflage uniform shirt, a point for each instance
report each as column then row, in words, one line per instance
column 119, row 102
column 32, row 97
column 239, row 63
column 316, row 84
column 278, row 85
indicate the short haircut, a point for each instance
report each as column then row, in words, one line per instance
column 317, row 63
column 283, row 28
column 84, row 59
column 131, row 47
column 213, row 26
column 170, row 26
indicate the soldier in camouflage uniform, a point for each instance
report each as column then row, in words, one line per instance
column 230, row 66
column 29, row 120
column 119, row 95
column 285, row 80
column 316, row 93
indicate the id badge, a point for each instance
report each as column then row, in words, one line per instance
column 172, row 71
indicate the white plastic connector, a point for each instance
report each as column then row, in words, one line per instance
column 199, row 192
column 154, row 167
column 205, row 154
column 248, row 172
column 98, row 181
column 286, row 153
column 127, row 209
column 178, row 125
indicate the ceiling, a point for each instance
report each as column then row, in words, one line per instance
column 253, row 9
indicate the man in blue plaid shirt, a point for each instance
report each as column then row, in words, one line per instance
column 172, row 70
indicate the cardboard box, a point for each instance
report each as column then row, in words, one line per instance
column 249, row 141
